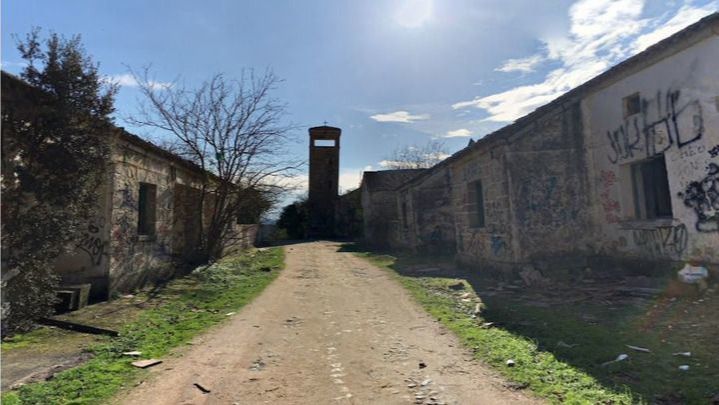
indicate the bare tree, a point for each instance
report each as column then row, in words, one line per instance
column 417, row 157
column 233, row 130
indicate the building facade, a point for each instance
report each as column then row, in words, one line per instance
column 621, row 171
column 148, row 221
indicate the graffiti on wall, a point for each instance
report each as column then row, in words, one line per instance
column 703, row 197
column 662, row 241
column 611, row 207
column 661, row 124
column 91, row 241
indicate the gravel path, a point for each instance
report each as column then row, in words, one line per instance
column 331, row 329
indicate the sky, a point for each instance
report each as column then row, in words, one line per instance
column 390, row 73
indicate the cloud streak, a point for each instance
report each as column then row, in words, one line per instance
column 458, row 133
column 399, row 116
column 602, row 33
column 128, row 80
column 524, row 65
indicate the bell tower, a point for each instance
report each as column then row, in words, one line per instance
column 324, row 179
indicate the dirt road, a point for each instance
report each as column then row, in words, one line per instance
column 331, row 329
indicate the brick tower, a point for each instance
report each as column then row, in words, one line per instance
column 324, row 179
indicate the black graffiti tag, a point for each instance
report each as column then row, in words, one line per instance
column 654, row 136
column 668, row 240
column 703, row 197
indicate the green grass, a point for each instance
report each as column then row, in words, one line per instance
column 190, row 305
column 539, row 370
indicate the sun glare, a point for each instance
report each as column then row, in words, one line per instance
column 414, row 13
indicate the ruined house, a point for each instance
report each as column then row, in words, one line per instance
column 622, row 171
column 148, row 220
column 379, row 205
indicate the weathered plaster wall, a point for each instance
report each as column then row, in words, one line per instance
column 549, row 186
column 138, row 259
column 426, row 214
column 493, row 244
column 679, row 118
column 90, row 261
column 381, row 222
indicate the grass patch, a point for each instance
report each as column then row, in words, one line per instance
column 190, row 305
column 559, row 350
column 539, row 370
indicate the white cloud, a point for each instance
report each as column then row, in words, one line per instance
column 127, row 80
column 399, row 116
column 602, row 33
column 524, row 65
column 388, row 163
column 458, row 133
column 8, row 64
column 686, row 15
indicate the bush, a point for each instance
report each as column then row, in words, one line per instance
column 55, row 138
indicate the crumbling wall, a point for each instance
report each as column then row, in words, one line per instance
column 138, row 259
column 426, row 214
column 679, row 120
column 491, row 244
column 548, row 174
column 381, row 222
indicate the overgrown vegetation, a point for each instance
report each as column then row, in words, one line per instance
column 55, row 144
column 234, row 130
column 562, row 356
column 191, row 305
column 294, row 220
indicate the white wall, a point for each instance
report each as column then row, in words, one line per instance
column 679, row 118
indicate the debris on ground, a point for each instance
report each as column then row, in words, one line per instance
column 422, row 365
column 510, row 363
column 146, row 363
column 685, row 354
column 230, row 313
column 457, row 286
column 692, row 274
column 619, row 358
column 532, row 277
column 202, row 388
column 257, row 365
column 133, row 353
column 562, row 343
column 515, row 386
column 639, row 349
column 684, row 367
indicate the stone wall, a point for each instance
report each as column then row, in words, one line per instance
column 426, row 213
column 491, row 244
column 562, row 188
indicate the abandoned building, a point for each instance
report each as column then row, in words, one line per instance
column 148, row 216
column 622, row 170
column 379, row 205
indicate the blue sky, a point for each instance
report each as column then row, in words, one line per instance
column 389, row 73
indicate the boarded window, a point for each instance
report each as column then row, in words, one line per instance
column 632, row 105
column 651, row 189
column 146, row 209
column 477, row 194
